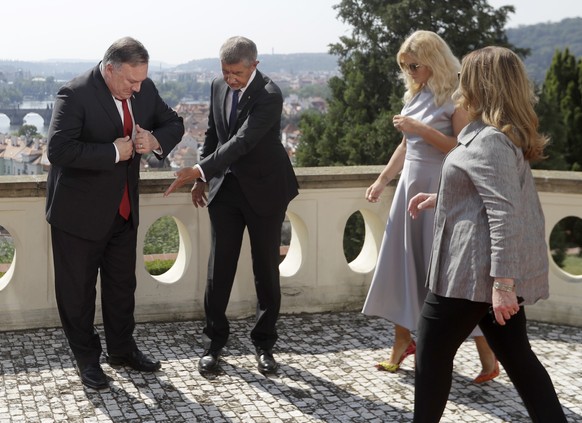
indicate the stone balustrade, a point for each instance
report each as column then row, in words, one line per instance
column 315, row 275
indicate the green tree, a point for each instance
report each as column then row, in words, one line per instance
column 561, row 100
column 37, row 88
column 551, row 124
column 162, row 237
column 186, row 86
column 10, row 96
column 357, row 128
column 28, row 131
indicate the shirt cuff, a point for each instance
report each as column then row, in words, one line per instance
column 197, row 166
column 116, row 153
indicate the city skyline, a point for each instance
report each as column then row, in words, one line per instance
column 56, row 31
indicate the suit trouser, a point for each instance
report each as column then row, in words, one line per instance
column 229, row 214
column 77, row 262
column 444, row 324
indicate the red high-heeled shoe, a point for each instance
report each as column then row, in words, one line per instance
column 391, row 367
column 484, row 377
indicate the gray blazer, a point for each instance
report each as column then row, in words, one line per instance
column 488, row 222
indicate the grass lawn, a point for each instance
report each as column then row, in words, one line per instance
column 572, row 265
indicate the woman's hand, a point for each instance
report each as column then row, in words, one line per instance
column 420, row 202
column 373, row 192
column 407, row 124
column 505, row 305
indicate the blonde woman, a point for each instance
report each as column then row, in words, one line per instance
column 489, row 250
column 429, row 123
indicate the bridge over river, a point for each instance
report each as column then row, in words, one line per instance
column 16, row 115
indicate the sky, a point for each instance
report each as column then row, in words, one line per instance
column 175, row 32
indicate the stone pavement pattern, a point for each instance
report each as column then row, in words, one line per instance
column 326, row 375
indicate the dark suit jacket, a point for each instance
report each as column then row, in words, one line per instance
column 85, row 185
column 253, row 152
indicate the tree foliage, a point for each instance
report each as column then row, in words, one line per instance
column 28, row 132
column 10, row 96
column 162, row 237
column 357, row 129
column 560, row 111
column 185, row 87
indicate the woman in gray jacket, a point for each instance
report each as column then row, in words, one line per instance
column 489, row 256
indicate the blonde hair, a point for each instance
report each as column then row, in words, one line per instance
column 494, row 87
column 433, row 52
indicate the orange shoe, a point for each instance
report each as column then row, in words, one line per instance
column 485, row 377
column 392, row 368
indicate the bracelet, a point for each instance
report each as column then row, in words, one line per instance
column 503, row 287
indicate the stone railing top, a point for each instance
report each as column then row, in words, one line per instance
column 308, row 177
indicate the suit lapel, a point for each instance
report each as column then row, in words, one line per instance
column 245, row 99
column 223, row 95
column 257, row 83
column 105, row 98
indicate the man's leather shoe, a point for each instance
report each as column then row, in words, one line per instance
column 266, row 361
column 136, row 360
column 208, row 363
column 92, row 376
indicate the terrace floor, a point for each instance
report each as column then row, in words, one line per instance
column 326, row 374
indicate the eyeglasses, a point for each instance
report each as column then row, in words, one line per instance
column 410, row 67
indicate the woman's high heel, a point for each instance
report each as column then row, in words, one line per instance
column 390, row 367
column 484, row 377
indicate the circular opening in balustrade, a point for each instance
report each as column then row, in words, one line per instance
column 293, row 243
column 7, row 257
column 165, row 249
column 566, row 245
column 361, row 242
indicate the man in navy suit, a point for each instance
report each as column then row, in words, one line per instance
column 102, row 123
column 251, row 182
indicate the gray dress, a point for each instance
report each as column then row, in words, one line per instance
column 398, row 290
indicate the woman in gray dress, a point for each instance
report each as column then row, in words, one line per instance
column 489, row 255
column 429, row 123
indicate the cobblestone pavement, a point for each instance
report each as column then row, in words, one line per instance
column 326, row 375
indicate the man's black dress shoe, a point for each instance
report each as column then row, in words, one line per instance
column 266, row 361
column 92, row 376
column 208, row 363
column 136, row 360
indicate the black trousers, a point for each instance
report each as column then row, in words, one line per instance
column 444, row 324
column 230, row 213
column 77, row 262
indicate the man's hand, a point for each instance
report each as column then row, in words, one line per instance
column 183, row 176
column 199, row 194
column 144, row 141
column 124, row 147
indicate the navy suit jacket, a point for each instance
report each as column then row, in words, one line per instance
column 85, row 185
column 253, row 151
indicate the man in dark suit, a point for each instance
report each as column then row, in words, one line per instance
column 251, row 182
column 103, row 121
